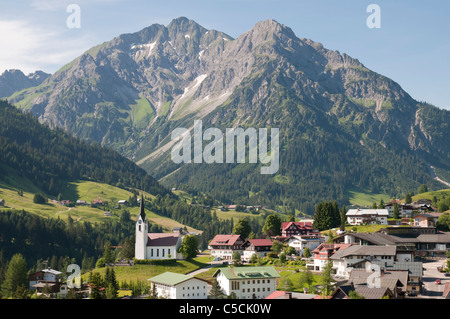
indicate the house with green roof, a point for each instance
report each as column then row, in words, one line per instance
column 247, row 282
column 171, row 285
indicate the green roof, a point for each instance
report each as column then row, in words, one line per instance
column 170, row 278
column 248, row 272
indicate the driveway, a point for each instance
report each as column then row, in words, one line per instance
column 430, row 274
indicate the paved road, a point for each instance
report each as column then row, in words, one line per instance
column 430, row 274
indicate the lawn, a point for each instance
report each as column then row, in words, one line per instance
column 365, row 198
column 140, row 272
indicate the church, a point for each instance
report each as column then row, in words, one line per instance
column 155, row 245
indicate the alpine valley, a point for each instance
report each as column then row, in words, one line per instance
column 343, row 128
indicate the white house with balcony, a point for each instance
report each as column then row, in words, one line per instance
column 367, row 216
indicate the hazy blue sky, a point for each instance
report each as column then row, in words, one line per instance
column 412, row 46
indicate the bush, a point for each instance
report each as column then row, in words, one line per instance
column 39, row 199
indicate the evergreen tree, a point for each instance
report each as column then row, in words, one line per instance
column 396, row 213
column 16, row 277
column 216, row 291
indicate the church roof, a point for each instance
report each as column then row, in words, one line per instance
column 162, row 239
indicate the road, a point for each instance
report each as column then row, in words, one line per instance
column 433, row 174
column 430, row 274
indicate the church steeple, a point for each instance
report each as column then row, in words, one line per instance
column 141, row 209
column 141, row 233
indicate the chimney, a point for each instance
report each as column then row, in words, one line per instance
column 288, row 295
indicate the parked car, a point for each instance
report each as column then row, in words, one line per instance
column 447, row 274
column 412, row 294
column 437, row 282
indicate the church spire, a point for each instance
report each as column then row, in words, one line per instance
column 141, row 209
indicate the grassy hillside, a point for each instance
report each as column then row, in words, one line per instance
column 11, row 183
column 361, row 197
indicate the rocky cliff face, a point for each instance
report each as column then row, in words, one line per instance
column 12, row 81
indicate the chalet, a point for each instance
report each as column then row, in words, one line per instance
column 323, row 253
column 354, row 257
column 171, row 285
column 300, row 242
column 64, row 202
column 426, row 219
column 223, row 246
column 97, row 202
column 122, row 202
column 414, row 269
column 343, row 292
column 396, row 281
column 261, row 247
column 2, row 202
column 367, row 216
column 289, row 229
column 47, row 280
column 247, row 282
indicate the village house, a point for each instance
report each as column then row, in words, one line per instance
column 47, row 280
column 171, row 285
column 260, row 247
column 426, row 219
column 343, row 292
column 247, row 282
column 223, row 246
column 396, row 281
column 322, row 255
column 410, row 241
column 2, row 202
column 355, row 256
column 155, row 245
column 414, row 269
column 289, row 229
column 367, row 216
column 300, row 242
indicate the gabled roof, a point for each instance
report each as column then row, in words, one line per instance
column 301, row 225
column 225, row 239
column 263, row 272
column 172, row 279
column 365, row 251
column 414, row 268
column 260, row 242
column 364, row 290
column 162, row 239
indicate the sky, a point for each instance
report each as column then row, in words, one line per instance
column 411, row 45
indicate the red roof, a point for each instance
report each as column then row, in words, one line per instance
column 260, row 242
column 225, row 239
column 305, row 225
column 277, row 294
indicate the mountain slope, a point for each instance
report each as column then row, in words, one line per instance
column 341, row 124
column 12, row 81
column 51, row 158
